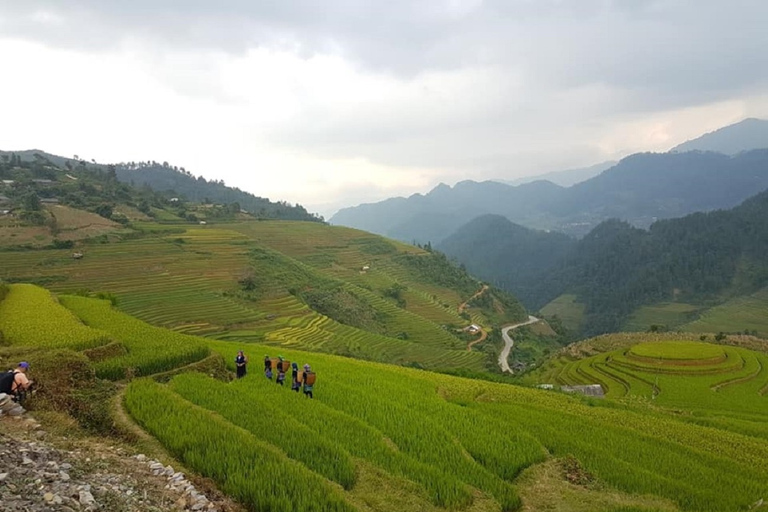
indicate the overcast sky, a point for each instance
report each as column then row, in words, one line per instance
column 338, row 102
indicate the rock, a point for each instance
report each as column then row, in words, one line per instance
column 66, row 466
column 64, row 476
column 27, row 461
column 86, row 498
column 3, row 476
column 141, row 457
column 48, row 497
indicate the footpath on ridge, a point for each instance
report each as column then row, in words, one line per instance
column 463, row 307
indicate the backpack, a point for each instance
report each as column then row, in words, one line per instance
column 309, row 380
column 6, row 381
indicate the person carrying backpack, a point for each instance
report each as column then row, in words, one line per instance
column 308, row 379
column 295, row 384
column 280, row 371
column 240, row 362
column 15, row 382
column 268, row 367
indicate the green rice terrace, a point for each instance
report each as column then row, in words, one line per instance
column 380, row 437
column 290, row 284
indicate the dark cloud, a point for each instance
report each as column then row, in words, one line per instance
column 557, row 64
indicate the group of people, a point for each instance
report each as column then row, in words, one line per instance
column 15, row 382
column 300, row 380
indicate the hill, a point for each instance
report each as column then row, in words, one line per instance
column 640, row 189
column 743, row 136
column 285, row 283
column 175, row 181
column 511, row 256
column 152, row 184
column 377, row 437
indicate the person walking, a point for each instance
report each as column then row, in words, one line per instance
column 308, row 379
column 295, row 385
column 280, row 371
column 268, row 367
column 240, row 362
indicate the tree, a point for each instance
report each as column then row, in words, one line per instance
column 31, row 202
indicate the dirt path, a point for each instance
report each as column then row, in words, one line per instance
column 463, row 305
column 508, row 342
column 481, row 339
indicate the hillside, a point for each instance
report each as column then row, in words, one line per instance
column 640, row 189
column 381, row 438
column 743, row 136
column 150, row 185
column 704, row 271
column 178, row 182
column 285, row 283
column 509, row 255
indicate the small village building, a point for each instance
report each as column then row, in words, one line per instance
column 473, row 329
column 7, row 183
column 42, row 182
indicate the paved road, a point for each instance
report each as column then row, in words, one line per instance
column 508, row 342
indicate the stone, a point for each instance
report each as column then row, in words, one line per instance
column 64, row 476
column 86, row 498
column 48, row 497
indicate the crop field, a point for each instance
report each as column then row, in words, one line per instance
column 463, row 441
column 737, row 315
column 669, row 314
column 727, row 385
column 187, row 279
column 31, row 316
column 439, row 442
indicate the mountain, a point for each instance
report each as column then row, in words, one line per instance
column 702, row 259
column 743, row 136
column 640, row 189
column 697, row 261
column 565, row 178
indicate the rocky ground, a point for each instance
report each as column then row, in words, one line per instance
column 45, row 472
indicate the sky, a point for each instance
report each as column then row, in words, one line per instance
column 341, row 102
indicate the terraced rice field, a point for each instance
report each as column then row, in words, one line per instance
column 188, row 280
column 713, row 380
column 377, row 436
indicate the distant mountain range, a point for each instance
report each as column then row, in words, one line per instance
column 748, row 134
column 565, row 178
column 640, row 189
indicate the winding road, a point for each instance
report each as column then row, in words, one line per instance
column 508, row 342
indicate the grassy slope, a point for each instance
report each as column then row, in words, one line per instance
column 567, row 309
column 188, row 280
column 479, row 433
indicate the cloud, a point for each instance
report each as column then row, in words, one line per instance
column 380, row 97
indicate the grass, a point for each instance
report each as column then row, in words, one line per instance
column 568, row 309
